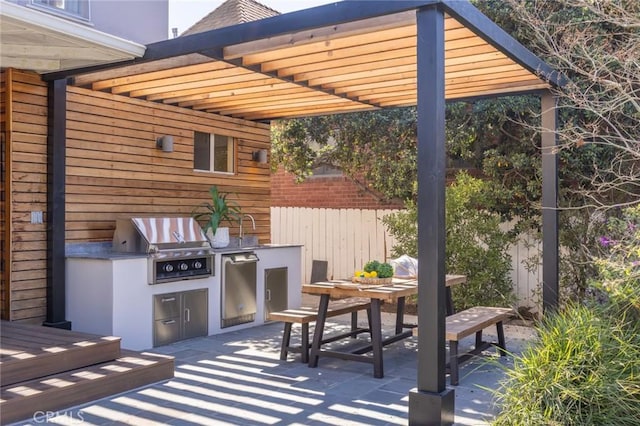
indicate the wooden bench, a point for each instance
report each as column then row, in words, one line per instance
column 306, row 315
column 468, row 322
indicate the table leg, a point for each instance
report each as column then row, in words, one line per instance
column 376, row 338
column 400, row 315
column 319, row 330
column 449, row 301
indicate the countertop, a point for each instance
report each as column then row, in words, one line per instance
column 103, row 250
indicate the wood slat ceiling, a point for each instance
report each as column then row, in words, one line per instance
column 365, row 65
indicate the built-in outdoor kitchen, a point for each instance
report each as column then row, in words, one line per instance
column 160, row 281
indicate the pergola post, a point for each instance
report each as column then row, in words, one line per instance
column 431, row 403
column 550, row 253
column 56, row 178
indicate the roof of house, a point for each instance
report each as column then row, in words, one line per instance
column 232, row 12
column 31, row 39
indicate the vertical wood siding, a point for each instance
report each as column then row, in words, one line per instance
column 347, row 238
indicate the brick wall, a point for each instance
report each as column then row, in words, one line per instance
column 336, row 192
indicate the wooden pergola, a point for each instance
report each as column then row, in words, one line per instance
column 339, row 58
column 331, row 59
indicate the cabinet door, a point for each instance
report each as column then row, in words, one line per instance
column 276, row 288
column 195, row 313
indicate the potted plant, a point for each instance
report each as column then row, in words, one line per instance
column 212, row 214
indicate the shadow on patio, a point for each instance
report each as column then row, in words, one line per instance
column 237, row 379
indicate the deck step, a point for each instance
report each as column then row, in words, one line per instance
column 30, row 351
column 64, row 390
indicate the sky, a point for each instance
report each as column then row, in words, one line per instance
column 184, row 13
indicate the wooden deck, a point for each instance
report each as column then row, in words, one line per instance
column 48, row 369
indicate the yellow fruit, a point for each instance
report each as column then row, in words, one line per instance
column 373, row 274
column 357, row 273
column 367, row 275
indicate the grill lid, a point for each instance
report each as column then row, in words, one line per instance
column 153, row 234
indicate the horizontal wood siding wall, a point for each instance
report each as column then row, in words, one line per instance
column 115, row 170
column 5, row 260
column 28, row 194
column 347, row 238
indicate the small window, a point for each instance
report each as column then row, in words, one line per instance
column 213, row 153
column 326, row 170
column 77, row 8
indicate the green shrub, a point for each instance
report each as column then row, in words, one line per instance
column 585, row 369
column 475, row 244
column 618, row 264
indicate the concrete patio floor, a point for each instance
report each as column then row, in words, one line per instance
column 237, row 379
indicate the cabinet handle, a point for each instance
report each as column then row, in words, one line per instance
column 187, row 315
column 168, row 299
column 268, row 295
column 167, row 322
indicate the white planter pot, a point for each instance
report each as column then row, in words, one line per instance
column 221, row 237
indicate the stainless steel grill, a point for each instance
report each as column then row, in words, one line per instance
column 177, row 247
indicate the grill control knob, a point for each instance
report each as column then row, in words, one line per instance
column 197, row 264
column 168, row 267
column 183, row 266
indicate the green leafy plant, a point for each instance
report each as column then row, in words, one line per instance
column 382, row 270
column 371, row 266
column 619, row 261
column 585, row 368
column 476, row 246
column 583, row 371
column 385, row 270
column 211, row 214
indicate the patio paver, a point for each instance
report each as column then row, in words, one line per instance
column 237, row 378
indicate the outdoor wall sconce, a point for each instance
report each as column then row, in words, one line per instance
column 165, row 143
column 260, row 156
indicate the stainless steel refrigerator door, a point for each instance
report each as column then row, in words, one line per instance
column 238, row 289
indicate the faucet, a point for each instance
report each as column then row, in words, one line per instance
column 241, row 235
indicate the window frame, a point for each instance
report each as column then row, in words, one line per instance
column 84, row 6
column 231, row 153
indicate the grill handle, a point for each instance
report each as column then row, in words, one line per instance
column 241, row 258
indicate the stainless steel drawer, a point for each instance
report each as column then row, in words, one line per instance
column 166, row 331
column 166, row 306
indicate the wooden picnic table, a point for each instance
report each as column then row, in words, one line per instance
column 395, row 292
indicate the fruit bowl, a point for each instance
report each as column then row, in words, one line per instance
column 372, row 281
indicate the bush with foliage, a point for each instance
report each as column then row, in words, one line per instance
column 585, row 369
column 619, row 263
column 475, row 245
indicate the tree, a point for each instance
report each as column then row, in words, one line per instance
column 378, row 149
column 596, row 44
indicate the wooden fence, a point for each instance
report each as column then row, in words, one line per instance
column 347, row 238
